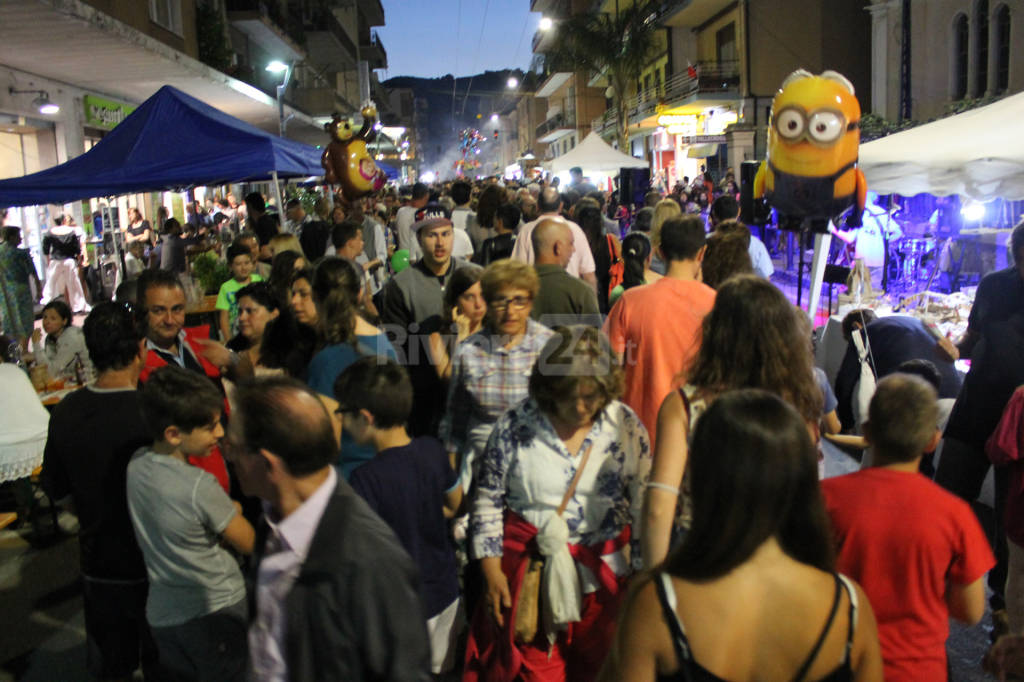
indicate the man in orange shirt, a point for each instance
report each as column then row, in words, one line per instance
column 656, row 328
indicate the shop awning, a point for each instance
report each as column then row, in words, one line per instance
column 977, row 154
column 171, row 141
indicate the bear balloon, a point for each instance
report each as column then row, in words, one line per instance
column 347, row 161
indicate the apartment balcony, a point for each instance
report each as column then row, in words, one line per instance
column 543, row 40
column 558, row 125
column 372, row 11
column 690, row 13
column 373, row 52
column 329, row 42
column 263, row 24
column 550, row 8
column 321, row 101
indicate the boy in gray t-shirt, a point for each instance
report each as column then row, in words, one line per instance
column 196, row 606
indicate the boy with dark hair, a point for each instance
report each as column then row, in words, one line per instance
column 196, row 605
column 92, row 435
column 347, row 238
column 917, row 550
column 411, row 485
column 240, row 261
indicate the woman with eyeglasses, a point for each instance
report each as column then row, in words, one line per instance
column 491, row 368
column 561, row 478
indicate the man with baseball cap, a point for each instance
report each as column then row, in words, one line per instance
column 414, row 308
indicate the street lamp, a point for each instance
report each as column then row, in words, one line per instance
column 42, row 101
column 278, row 66
column 546, row 23
column 512, row 83
column 494, row 118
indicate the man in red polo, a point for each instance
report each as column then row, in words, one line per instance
column 162, row 300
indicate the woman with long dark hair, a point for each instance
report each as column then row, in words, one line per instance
column 752, row 592
column 337, row 288
column 464, row 310
column 604, row 248
column 636, row 265
column 753, row 338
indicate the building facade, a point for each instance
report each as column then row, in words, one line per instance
column 929, row 54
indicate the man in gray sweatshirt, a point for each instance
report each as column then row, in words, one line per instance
column 414, row 308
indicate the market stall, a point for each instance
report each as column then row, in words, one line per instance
column 597, row 160
column 172, row 140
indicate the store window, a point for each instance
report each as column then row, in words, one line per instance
column 166, row 13
column 1002, row 47
column 961, row 36
column 981, row 44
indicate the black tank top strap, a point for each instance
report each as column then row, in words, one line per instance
column 662, row 585
column 802, row 672
column 686, row 400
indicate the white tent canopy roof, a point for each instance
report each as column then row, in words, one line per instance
column 977, row 154
column 594, row 155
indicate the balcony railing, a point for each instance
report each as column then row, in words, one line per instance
column 707, row 78
column 374, row 52
column 288, row 25
column 559, row 120
column 326, row 21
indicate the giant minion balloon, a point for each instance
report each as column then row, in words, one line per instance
column 347, row 162
column 813, row 138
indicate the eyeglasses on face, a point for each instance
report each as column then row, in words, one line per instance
column 515, row 302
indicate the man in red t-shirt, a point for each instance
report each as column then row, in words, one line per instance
column 917, row 550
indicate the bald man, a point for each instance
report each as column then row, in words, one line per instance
column 327, row 569
column 562, row 299
column 582, row 262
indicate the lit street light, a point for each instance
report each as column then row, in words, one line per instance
column 494, row 118
column 278, row 66
column 546, row 23
column 512, row 83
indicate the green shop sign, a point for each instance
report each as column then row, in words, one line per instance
column 102, row 113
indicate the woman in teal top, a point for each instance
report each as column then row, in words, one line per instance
column 337, row 292
column 16, row 272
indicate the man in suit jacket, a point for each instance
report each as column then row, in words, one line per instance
column 336, row 597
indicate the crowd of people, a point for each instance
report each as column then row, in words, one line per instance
column 504, row 433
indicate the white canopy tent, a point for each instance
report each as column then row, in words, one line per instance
column 594, row 155
column 977, row 154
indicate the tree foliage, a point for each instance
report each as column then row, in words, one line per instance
column 618, row 44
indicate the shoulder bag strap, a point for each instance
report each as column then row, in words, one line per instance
column 575, row 479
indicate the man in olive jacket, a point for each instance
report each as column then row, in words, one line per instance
column 335, row 596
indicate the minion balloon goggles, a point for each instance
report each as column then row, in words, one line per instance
column 823, row 127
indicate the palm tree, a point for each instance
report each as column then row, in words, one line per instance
column 618, row 44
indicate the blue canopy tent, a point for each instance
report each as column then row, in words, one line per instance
column 171, row 141
column 390, row 171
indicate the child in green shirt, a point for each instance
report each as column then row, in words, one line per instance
column 241, row 264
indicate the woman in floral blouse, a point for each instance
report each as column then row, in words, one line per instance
column 571, row 421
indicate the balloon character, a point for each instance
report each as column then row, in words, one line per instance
column 346, row 160
column 810, row 172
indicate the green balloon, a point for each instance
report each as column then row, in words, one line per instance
column 400, row 260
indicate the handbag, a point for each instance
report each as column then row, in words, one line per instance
column 617, row 269
column 528, row 603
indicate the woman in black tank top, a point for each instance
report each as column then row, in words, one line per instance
column 751, row 593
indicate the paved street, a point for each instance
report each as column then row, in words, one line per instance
column 43, row 637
